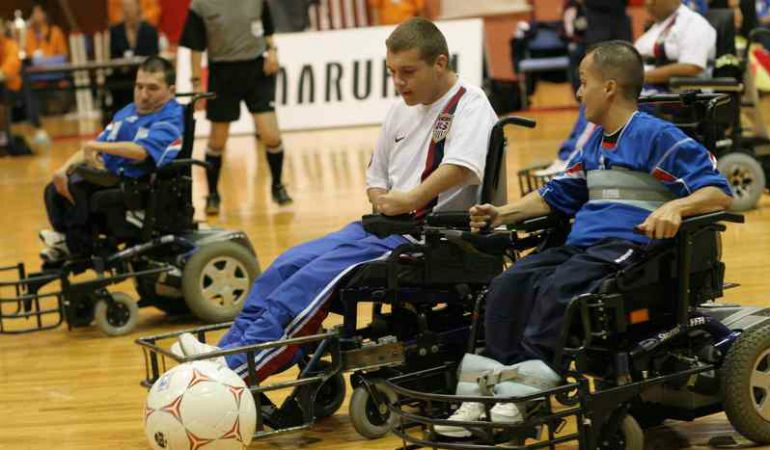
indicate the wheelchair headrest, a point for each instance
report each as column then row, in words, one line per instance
column 723, row 21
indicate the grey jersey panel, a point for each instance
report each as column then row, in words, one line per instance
column 234, row 28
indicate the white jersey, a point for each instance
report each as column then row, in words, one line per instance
column 402, row 151
column 687, row 37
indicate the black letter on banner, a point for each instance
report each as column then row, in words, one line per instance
column 306, row 73
column 386, row 81
column 337, row 78
column 455, row 61
column 368, row 75
column 281, row 89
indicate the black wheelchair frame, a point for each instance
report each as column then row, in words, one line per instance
column 165, row 196
column 412, row 282
column 602, row 413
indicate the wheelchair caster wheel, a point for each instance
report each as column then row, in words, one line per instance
column 116, row 317
column 216, row 280
column 746, row 385
column 329, row 396
column 370, row 418
column 746, row 178
column 628, row 436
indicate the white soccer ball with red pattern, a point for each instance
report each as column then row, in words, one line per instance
column 199, row 405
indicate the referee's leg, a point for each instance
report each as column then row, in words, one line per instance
column 266, row 123
column 214, row 153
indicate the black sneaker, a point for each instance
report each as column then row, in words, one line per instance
column 280, row 195
column 212, row 204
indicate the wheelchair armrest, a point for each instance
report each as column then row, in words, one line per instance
column 449, row 219
column 702, row 220
column 98, row 177
column 552, row 220
column 383, row 226
column 177, row 163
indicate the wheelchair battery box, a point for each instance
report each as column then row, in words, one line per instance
column 451, row 263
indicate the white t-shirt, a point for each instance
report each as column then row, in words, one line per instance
column 400, row 156
column 690, row 40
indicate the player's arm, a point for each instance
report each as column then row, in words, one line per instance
column 531, row 205
column 374, row 194
column 663, row 74
column 125, row 149
column 444, row 177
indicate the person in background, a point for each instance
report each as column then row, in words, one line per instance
column 44, row 40
column 130, row 38
column 393, row 12
column 290, row 16
column 151, row 12
column 13, row 91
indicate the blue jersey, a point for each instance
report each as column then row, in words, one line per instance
column 646, row 144
column 763, row 8
column 700, row 6
column 159, row 133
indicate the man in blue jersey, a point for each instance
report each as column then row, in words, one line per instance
column 634, row 172
column 145, row 134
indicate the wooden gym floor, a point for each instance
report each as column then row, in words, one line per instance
column 78, row 389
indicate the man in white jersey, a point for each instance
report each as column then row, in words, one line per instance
column 430, row 156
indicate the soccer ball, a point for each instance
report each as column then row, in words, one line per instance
column 199, row 405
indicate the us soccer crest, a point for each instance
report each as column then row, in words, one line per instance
column 441, row 128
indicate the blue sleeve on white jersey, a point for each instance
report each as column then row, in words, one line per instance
column 684, row 165
column 568, row 192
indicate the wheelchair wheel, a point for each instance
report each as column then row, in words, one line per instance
column 746, row 385
column 370, row 419
column 629, row 436
column 746, row 178
column 330, row 395
column 217, row 279
column 117, row 317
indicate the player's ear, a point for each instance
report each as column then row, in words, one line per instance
column 442, row 62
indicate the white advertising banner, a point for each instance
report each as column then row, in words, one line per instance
column 339, row 78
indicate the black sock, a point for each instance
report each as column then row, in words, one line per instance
column 212, row 173
column 275, row 161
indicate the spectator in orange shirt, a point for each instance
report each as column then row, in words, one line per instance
column 393, row 12
column 150, row 12
column 44, row 39
column 10, row 64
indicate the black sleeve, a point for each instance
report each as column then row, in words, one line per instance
column 194, row 33
column 267, row 20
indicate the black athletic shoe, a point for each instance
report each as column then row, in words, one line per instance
column 280, row 195
column 212, row 204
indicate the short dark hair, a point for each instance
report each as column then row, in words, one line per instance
column 155, row 64
column 421, row 34
column 619, row 60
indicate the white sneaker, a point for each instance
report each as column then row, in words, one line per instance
column 51, row 238
column 176, row 349
column 193, row 347
column 557, row 166
column 468, row 411
column 506, row 413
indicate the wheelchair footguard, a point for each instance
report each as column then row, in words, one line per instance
column 175, row 273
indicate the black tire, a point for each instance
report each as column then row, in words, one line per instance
column 235, row 264
column 173, row 306
column 370, row 420
column 329, row 397
column 745, row 381
column 746, row 178
column 628, row 436
column 118, row 317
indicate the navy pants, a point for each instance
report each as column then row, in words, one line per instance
column 525, row 305
column 74, row 220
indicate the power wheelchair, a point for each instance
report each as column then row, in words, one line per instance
column 142, row 229
column 422, row 302
column 740, row 139
column 651, row 344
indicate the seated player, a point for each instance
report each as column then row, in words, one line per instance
column 145, row 134
column 430, row 155
column 636, row 171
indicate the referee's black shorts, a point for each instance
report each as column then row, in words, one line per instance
column 236, row 81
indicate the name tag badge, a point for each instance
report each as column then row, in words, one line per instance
column 257, row 29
